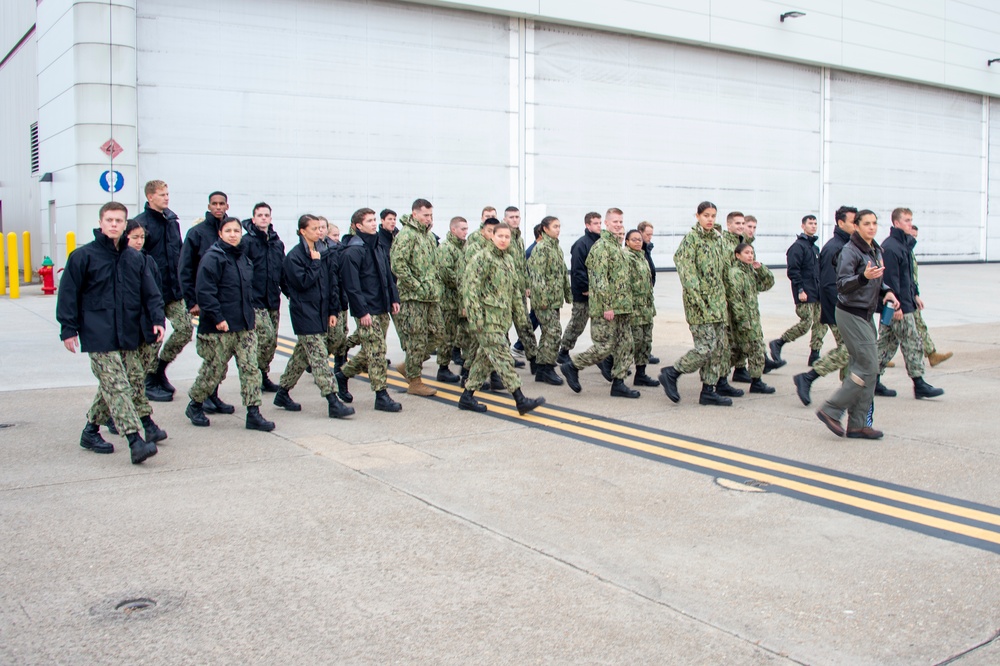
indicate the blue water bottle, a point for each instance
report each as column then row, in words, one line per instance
column 887, row 312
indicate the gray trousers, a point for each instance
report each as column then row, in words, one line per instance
column 855, row 395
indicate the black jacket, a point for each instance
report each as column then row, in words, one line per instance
column 828, row 275
column 312, row 289
column 334, row 250
column 199, row 238
column 163, row 244
column 266, row 253
column 856, row 293
column 146, row 322
column 366, row 278
column 225, row 289
column 803, row 268
column 102, row 295
column 647, row 249
column 898, row 274
column 579, row 282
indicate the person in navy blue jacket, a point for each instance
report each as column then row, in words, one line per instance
column 266, row 253
column 803, row 273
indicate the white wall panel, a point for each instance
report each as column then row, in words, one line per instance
column 993, row 219
column 899, row 144
column 654, row 128
column 324, row 107
column 19, row 190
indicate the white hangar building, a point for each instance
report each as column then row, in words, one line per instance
column 773, row 108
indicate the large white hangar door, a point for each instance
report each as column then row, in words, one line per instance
column 655, row 127
column 993, row 223
column 324, row 106
column 898, row 144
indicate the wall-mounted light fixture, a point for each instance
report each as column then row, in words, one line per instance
column 990, row 62
column 788, row 15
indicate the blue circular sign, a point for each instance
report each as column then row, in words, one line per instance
column 112, row 181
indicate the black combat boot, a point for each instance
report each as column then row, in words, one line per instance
column 112, row 428
column 775, row 347
column 336, row 409
column 813, row 357
column 256, row 420
column 606, row 366
column 196, row 412
column 284, row 400
column 724, row 388
column 741, row 375
column 922, row 389
column 469, row 403
column 161, row 377
column 668, row 379
column 710, row 397
column 563, row 356
column 532, row 366
column 155, row 392
column 91, row 440
column 803, row 384
column 653, row 360
column 456, row 356
column 339, row 361
column 266, row 385
column 884, row 391
column 757, row 386
column 140, row 449
column 547, row 374
column 153, row 432
column 384, row 403
column 342, row 391
column 464, row 376
column 446, row 375
column 496, row 384
column 572, row 376
column 218, row 405
column 642, row 379
column 518, row 363
column 770, row 365
column 525, row 405
column 619, row 390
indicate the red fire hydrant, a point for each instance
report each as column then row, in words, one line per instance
column 48, row 277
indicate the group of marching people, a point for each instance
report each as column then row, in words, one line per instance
column 456, row 298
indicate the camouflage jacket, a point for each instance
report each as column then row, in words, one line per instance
column 475, row 242
column 742, row 287
column 607, row 270
column 413, row 260
column 642, row 287
column 731, row 240
column 701, row 265
column 451, row 268
column 548, row 278
column 489, row 292
column 516, row 252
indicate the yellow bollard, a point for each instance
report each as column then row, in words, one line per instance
column 3, row 276
column 70, row 243
column 15, row 288
column 26, row 244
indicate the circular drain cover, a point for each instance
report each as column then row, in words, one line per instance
column 136, row 604
column 746, row 486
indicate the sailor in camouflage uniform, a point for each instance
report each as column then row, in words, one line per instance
column 701, row 263
column 451, row 267
column 744, row 280
column 549, row 283
column 610, row 310
column 492, row 302
column 644, row 310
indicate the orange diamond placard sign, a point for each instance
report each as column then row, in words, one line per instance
column 111, row 148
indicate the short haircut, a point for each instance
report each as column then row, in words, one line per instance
column 642, row 226
column 154, row 186
column 490, row 221
column 614, row 211
column 359, row 216
column 421, row 203
column 488, row 209
column 386, row 212
column 590, row 217
column 741, row 247
column 807, row 217
column 112, row 205
column 322, row 219
column 705, row 205
column 749, row 218
column 457, row 220
column 732, row 216
column 898, row 213
column 261, row 205
column 217, row 193
column 511, row 209
column 501, row 225
column 862, row 213
column 841, row 214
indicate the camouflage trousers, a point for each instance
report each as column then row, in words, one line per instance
column 493, row 353
column 611, row 338
column 336, row 336
column 148, row 352
column 216, row 349
column 471, row 347
column 121, row 390
column 833, row 360
column 748, row 342
column 420, row 331
column 903, row 334
column 925, row 335
column 454, row 333
column 525, row 333
column 266, row 325
column 371, row 358
column 642, row 341
column 711, row 351
column 808, row 314
column 549, row 337
column 577, row 322
column 180, row 320
column 310, row 350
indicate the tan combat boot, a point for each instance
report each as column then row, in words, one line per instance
column 937, row 358
column 417, row 387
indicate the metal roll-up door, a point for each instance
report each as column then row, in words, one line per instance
column 655, row 127
column 896, row 144
column 993, row 221
column 324, row 107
